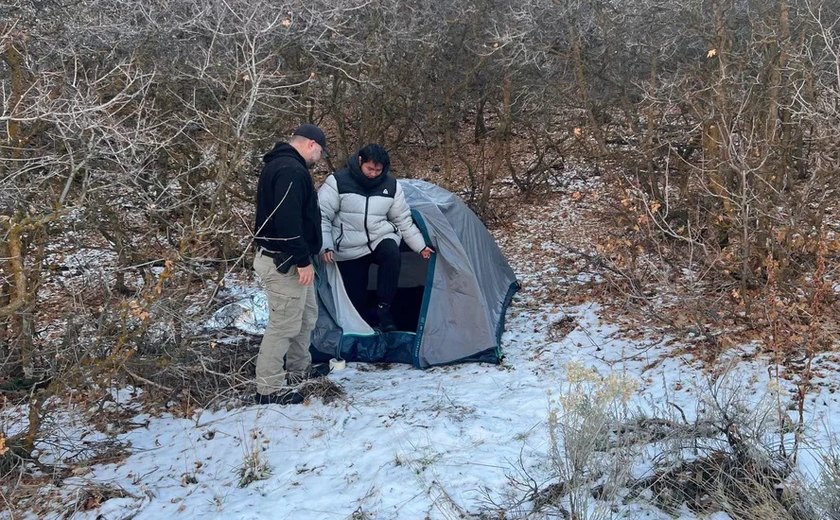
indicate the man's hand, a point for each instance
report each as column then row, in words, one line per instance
column 427, row 252
column 306, row 275
column 327, row 256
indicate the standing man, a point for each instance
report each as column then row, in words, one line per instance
column 364, row 219
column 288, row 234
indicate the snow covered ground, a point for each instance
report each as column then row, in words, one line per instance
column 442, row 443
column 405, row 443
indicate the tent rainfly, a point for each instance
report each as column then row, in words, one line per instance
column 448, row 309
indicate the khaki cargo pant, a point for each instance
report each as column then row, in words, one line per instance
column 292, row 312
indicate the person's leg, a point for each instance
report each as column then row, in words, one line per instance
column 298, row 358
column 387, row 257
column 354, row 273
column 285, row 298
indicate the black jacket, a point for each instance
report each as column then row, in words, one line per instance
column 294, row 227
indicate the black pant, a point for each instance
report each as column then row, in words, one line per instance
column 355, row 274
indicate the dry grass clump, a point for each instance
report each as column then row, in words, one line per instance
column 734, row 457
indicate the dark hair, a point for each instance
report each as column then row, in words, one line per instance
column 375, row 153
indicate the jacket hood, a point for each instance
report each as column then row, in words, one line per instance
column 282, row 149
column 358, row 176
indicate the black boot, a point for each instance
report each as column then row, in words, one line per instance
column 288, row 396
column 386, row 320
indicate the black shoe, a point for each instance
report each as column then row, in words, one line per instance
column 316, row 371
column 281, row 397
column 386, row 320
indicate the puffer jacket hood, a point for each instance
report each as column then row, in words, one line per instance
column 370, row 185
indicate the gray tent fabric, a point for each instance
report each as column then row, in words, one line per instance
column 462, row 293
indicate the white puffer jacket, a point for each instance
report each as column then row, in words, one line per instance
column 357, row 213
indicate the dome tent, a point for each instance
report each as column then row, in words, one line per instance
column 448, row 309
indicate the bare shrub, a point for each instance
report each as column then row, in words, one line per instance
column 737, row 459
column 601, row 459
column 588, row 463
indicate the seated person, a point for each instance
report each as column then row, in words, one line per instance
column 364, row 216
